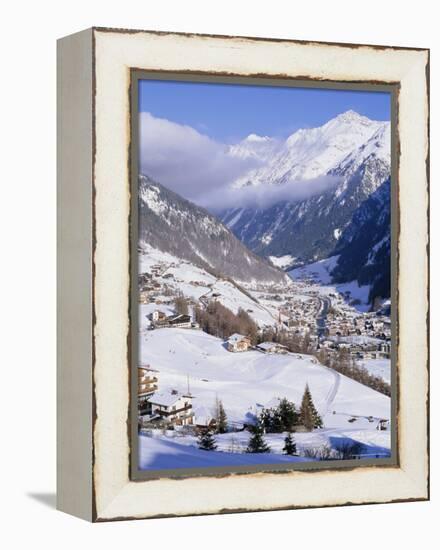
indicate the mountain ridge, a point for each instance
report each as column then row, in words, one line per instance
column 175, row 225
column 311, row 229
column 312, row 152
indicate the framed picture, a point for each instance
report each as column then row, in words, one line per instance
column 243, row 274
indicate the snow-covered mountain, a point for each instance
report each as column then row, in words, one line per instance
column 313, row 152
column 354, row 152
column 169, row 223
column 365, row 246
column 260, row 148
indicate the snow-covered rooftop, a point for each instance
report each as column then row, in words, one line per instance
column 166, row 399
column 270, row 345
column 203, row 416
column 235, row 338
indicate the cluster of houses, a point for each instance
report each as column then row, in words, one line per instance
column 353, row 324
column 366, row 335
column 368, row 348
column 168, row 408
column 359, row 349
column 159, row 319
column 158, row 285
column 148, row 288
column 151, row 289
column 301, row 312
column 238, row 342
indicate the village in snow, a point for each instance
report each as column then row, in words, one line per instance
column 237, row 374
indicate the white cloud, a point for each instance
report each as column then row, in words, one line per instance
column 264, row 196
column 201, row 169
column 185, row 160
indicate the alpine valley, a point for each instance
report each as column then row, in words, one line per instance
column 264, row 329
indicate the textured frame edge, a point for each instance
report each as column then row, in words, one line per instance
column 90, row 510
column 74, row 274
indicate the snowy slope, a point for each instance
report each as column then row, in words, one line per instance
column 199, row 285
column 172, row 224
column 319, row 271
column 378, row 367
column 364, row 246
column 248, row 381
column 378, row 145
column 282, row 262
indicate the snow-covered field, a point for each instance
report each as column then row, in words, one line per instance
column 378, row 367
column 246, row 382
column 197, row 284
column 282, row 261
column 318, row 271
column 173, row 450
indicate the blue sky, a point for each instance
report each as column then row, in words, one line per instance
column 230, row 112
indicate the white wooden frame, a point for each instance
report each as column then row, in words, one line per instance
column 94, row 275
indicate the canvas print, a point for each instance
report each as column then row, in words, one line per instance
column 264, row 275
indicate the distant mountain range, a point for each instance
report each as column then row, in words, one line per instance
column 172, row 224
column 350, row 218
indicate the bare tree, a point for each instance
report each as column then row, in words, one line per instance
column 324, row 452
column 181, row 304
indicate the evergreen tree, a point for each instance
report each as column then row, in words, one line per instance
column 206, row 441
column 288, row 414
column 277, row 422
column 317, row 420
column 308, row 413
column 222, row 419
column 256, row 443
column 280, row 419
column 289, row 445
